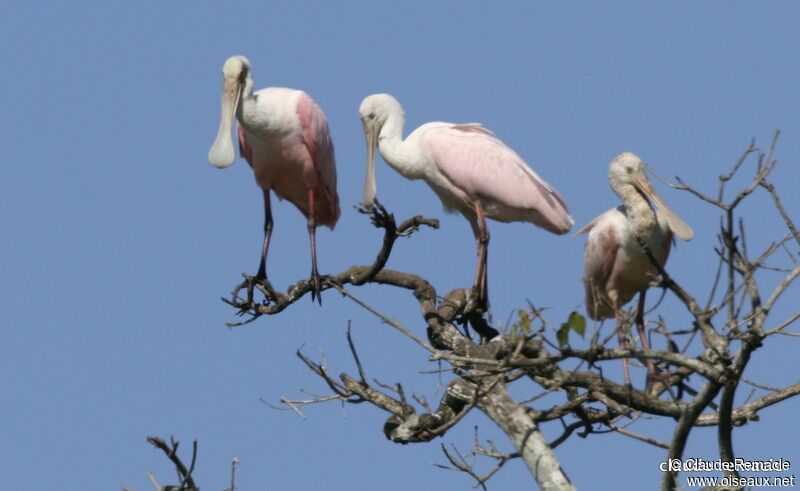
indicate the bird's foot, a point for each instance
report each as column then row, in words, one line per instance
column 476, row 301
column 475, row 313
column 316, row 287
column 250, row 284
column 378, row 215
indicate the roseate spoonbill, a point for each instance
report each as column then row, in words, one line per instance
column 470, row 169
column 615, row 265
column 283, row 135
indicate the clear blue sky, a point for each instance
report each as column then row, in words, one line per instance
column 118, row 238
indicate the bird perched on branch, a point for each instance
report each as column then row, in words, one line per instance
column 469, row 169
column 615, row 264
column 284, row 136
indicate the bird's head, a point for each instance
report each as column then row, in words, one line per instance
column 628, row 171
column 374, row 111
column 236, row 68
column 235, row 73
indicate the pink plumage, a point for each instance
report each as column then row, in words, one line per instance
column 615, row 265
column 283, row 135
column 469, row 168
column 293, row 158
column 482, row 167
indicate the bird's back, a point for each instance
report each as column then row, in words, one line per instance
column 473, row 164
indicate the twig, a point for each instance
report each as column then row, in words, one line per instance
column 234, row 463
column 355, row 354
column 384, row 318
column 462, row 465
column 188, row 476
column 748, row 412
column 171, row 453
column 636, row 436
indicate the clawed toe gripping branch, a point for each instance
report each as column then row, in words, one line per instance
column 275, row 302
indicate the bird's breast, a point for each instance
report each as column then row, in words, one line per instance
column 634, row 268
column 271, row 113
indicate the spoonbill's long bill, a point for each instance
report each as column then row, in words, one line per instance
column 615, row 265
column 470, row 169
column 283, row 135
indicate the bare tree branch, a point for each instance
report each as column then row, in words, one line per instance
column 580, row 397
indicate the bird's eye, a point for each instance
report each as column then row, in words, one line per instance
column 630, row 170
column 371, row 116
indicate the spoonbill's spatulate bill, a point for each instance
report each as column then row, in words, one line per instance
column 283, row 135
column 470, row 169
column 615, row 265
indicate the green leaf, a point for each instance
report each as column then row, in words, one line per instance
column 575, row 322
column 563, row 335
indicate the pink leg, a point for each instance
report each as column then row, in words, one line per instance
column 651, row 367
column 482, row 237
column 621, row 336
column 312, row 228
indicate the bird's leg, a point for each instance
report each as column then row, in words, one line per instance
column 261, row 275
column 651, row 367
column 622, row 344
column 482, row 238
column 653, row 375
column 262, row 266
column 316, row 286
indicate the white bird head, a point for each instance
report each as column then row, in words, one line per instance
column 236, row 67
column 377, row 108
column 374, row 111
column 235, row 72
column 625, row 169
column 626, row 172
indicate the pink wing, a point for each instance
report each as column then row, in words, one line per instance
column 482, row 166
column 473, row 128
column 599, row 255
column 317, row 139
column 244, row 149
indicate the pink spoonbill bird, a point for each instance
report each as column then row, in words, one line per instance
column 470, row 169
column 615, row 265
column 283, row 135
